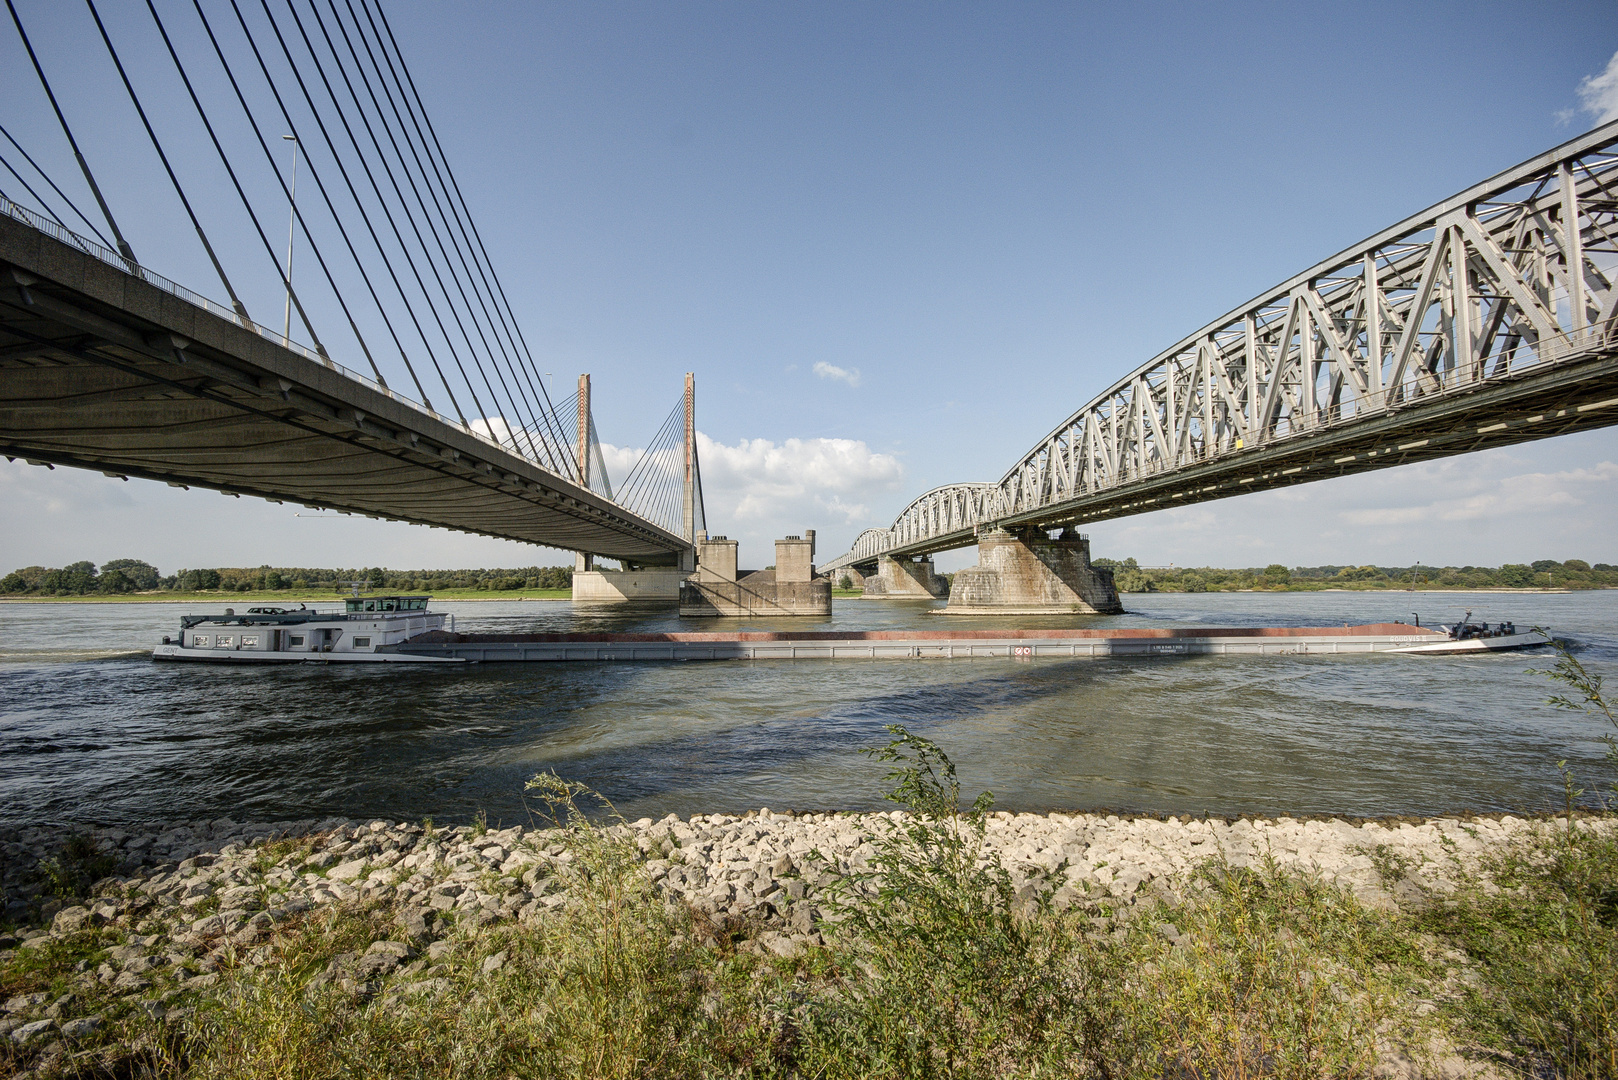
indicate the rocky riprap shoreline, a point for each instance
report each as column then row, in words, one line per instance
column 188, row 901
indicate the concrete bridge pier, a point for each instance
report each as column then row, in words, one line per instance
column 1027, row 573
column 641, row 585
column 902, row 579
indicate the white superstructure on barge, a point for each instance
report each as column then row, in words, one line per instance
column 365, row 631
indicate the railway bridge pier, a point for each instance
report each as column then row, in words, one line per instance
column 1026, row 572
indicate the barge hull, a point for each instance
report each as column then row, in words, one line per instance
column 227, row 656
column 920, row 645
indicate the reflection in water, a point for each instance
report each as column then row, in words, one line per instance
column 91, row 730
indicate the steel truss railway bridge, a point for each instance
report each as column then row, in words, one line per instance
column 1486, row 320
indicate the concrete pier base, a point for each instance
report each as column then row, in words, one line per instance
column 652, row 585
column 790, row 588
column 754, row 594
column 902, row 579
column 1030, row 574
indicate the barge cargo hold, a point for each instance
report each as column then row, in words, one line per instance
column 922, row 644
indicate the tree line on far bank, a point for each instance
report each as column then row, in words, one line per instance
column 125, row 576
column 1130, row 576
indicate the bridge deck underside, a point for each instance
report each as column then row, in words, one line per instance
column 101, row 370
column 1571, row 397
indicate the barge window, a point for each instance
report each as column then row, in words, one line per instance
column 249, row 641
column 362, row 643
column 199, row 641
column 224, row 641
column 295, row 639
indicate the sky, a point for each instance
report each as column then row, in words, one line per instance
column 896, row 244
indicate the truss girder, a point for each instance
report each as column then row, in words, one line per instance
column 1505, row 283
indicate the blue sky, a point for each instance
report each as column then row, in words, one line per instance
column 896, row 244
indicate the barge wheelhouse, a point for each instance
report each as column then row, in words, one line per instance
column 367, row 630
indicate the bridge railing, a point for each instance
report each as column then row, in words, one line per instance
column 113, row 259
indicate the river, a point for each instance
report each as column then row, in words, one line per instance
column 91, row 730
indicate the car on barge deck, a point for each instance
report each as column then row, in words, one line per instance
column 367, row 630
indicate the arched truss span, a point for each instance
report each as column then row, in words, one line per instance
column 1484, row 320
column 948, row 511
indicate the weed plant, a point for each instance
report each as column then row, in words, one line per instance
column 1544, row 934
column 80, row 864
column 935, row 970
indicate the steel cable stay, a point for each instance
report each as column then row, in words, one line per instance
column 529, row 399
column 432, row 265
column 405, row 248
column 320, row 185
column 314, row 246
column 641, row 490
column 654, row 486
column 60, row 193
column 258, row 227
column 43, row 205
column 536, row 384
column 639, row 472
column 134, row 98
column 84, row 166
column 437, row 227
column 448, row 172
column 533, row 453
column 567, row 407
column 600, row 482
column 331, row 146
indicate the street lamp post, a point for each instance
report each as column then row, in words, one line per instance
column 292, row 231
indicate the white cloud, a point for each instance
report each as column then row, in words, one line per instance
column 1540, row 500
column 1521, row 495
column 759, row 490
column 1598, row 94
column 831, row 371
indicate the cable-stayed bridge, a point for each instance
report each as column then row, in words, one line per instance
column 105, row 364
column 1488, row 319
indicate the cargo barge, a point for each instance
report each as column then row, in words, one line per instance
column 400, row 629
column 930, row 644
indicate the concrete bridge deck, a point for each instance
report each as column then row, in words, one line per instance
column 131, row 375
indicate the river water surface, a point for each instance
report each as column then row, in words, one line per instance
column 91, row 730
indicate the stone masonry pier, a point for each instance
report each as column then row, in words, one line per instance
column 1027, row 573
column 905, row 579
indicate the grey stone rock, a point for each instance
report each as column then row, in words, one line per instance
column 70, row 920
column 30, row 1032
column 347, row 871
column 128, row 982
column 493, row 963
column 82, row 1027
